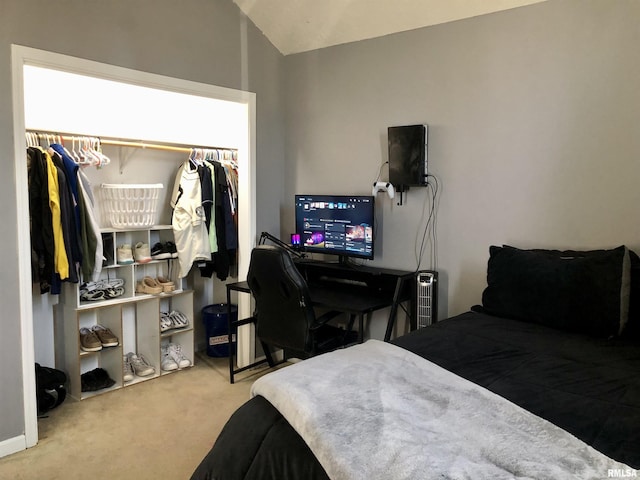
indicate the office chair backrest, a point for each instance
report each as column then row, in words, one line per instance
column 283, row 306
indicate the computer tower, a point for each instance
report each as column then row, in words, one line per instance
column 408, row 156
column 426, row 296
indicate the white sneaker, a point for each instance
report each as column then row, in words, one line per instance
column 141, row 253
column 167, row 362
column 140, row 365
column 124, row 254
column 175, row 352
column 127, row 370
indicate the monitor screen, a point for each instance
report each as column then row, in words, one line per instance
column 336, row 224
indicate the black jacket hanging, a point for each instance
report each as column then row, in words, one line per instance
column 41, row 220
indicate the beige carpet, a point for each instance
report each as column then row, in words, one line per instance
column 158, row 429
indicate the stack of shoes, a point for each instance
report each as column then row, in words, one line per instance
column 102, row 290
column 173, row 358
column 172, row 320
column 141, row 253
column 139, row 365
column 163, row 251
column 124, row 254
column 96, row 379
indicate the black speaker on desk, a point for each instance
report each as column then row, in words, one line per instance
column 407, row 156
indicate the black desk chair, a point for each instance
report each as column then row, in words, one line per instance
column 284, row 314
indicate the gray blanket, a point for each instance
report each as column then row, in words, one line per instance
column 376, row 411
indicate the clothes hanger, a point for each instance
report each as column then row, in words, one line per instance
column 192, row 158
column 73, row 153
column 199, row 156
column 97, row 148
column 93, row 158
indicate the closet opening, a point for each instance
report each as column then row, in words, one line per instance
column 132, row 106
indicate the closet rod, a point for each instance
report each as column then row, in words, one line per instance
column 125, row 143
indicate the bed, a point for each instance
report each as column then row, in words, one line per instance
column 540, row 381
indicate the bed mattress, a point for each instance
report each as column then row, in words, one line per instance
column 588, row 386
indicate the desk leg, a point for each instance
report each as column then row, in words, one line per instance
column 394, row 308
column 230, row 336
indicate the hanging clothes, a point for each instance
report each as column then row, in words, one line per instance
column 42, row 250
column 90, row 234
column 188, row 220
column 217, row 201
column 90, row 238
column 70, row 232
column 221, row 259
column 65, row 234
column 213, row 237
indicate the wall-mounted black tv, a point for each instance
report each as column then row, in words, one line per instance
column 340, row 225
column 407, row 156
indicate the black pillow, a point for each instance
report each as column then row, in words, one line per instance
column 584, row 292
column 632, row 328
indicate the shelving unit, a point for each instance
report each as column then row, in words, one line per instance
column 133, row 317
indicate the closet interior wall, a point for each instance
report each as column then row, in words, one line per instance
column 128, row 165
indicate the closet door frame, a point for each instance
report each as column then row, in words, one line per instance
column 22, row 56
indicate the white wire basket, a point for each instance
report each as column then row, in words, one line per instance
column 130, row 205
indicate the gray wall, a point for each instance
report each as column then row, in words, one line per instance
column 200, row 40
column 533, row 117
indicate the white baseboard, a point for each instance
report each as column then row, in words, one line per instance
column 13, row 445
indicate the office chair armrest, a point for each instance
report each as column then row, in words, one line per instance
column 323, row 319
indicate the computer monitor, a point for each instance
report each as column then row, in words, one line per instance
column 340, row 225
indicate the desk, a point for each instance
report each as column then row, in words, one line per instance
column 355, row 290
column 358, row 290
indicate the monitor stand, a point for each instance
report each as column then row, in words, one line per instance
column 345, row 261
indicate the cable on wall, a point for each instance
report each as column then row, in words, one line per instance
column 429, row 234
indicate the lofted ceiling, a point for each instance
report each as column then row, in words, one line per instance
column 295, row 26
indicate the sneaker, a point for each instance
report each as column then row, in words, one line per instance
column 172, row 249
column 140, row 365
column 127, row 369
column 165, row 322
column 160, row 252
column 167, row 363
column 106, row 337
column 178, row 319
column 175, row 351
column 124, row 254
column 89, row 341
column 141, row 253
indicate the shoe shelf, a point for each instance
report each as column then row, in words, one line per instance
column 78, row 361
column 118, row 282
column 177, row 334
column 133, row 317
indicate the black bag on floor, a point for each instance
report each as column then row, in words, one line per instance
column 50, row 389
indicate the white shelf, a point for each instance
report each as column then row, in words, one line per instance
column 133, row 317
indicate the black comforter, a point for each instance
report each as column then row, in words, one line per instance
column 588, row 386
